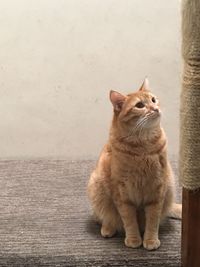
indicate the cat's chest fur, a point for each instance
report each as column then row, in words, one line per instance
column 141, row 189
column 139, row 181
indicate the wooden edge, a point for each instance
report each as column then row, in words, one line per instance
column 190, row 247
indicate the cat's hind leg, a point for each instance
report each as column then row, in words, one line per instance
column 103, row 207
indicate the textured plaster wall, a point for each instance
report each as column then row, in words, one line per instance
column 59, row 59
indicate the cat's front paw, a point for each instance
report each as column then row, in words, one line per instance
column 133, row 242
column 151, row 244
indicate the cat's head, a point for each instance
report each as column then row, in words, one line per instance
column 139, row 110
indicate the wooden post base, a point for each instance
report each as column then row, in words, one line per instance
column 191, row 229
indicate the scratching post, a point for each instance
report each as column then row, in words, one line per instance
column 190, row 133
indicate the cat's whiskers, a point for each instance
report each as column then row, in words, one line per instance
column 141, row 126
column 138, row 127
column 141, row 123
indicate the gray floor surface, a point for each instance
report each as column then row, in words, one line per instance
column 45, row 220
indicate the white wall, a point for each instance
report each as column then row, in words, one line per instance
column 58, row 60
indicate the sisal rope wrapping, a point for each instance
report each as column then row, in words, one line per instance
column 190, row 96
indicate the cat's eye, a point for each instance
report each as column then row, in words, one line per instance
column 153, row 100
column 139, row 105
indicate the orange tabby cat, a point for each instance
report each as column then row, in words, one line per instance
column 132, row 184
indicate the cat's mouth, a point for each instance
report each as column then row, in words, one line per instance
column 154, row 114
column 152, row 118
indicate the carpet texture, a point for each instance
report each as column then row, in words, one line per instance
column 45, row 220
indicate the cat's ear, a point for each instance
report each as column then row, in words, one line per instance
column 117, row 100
column 145, row 85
